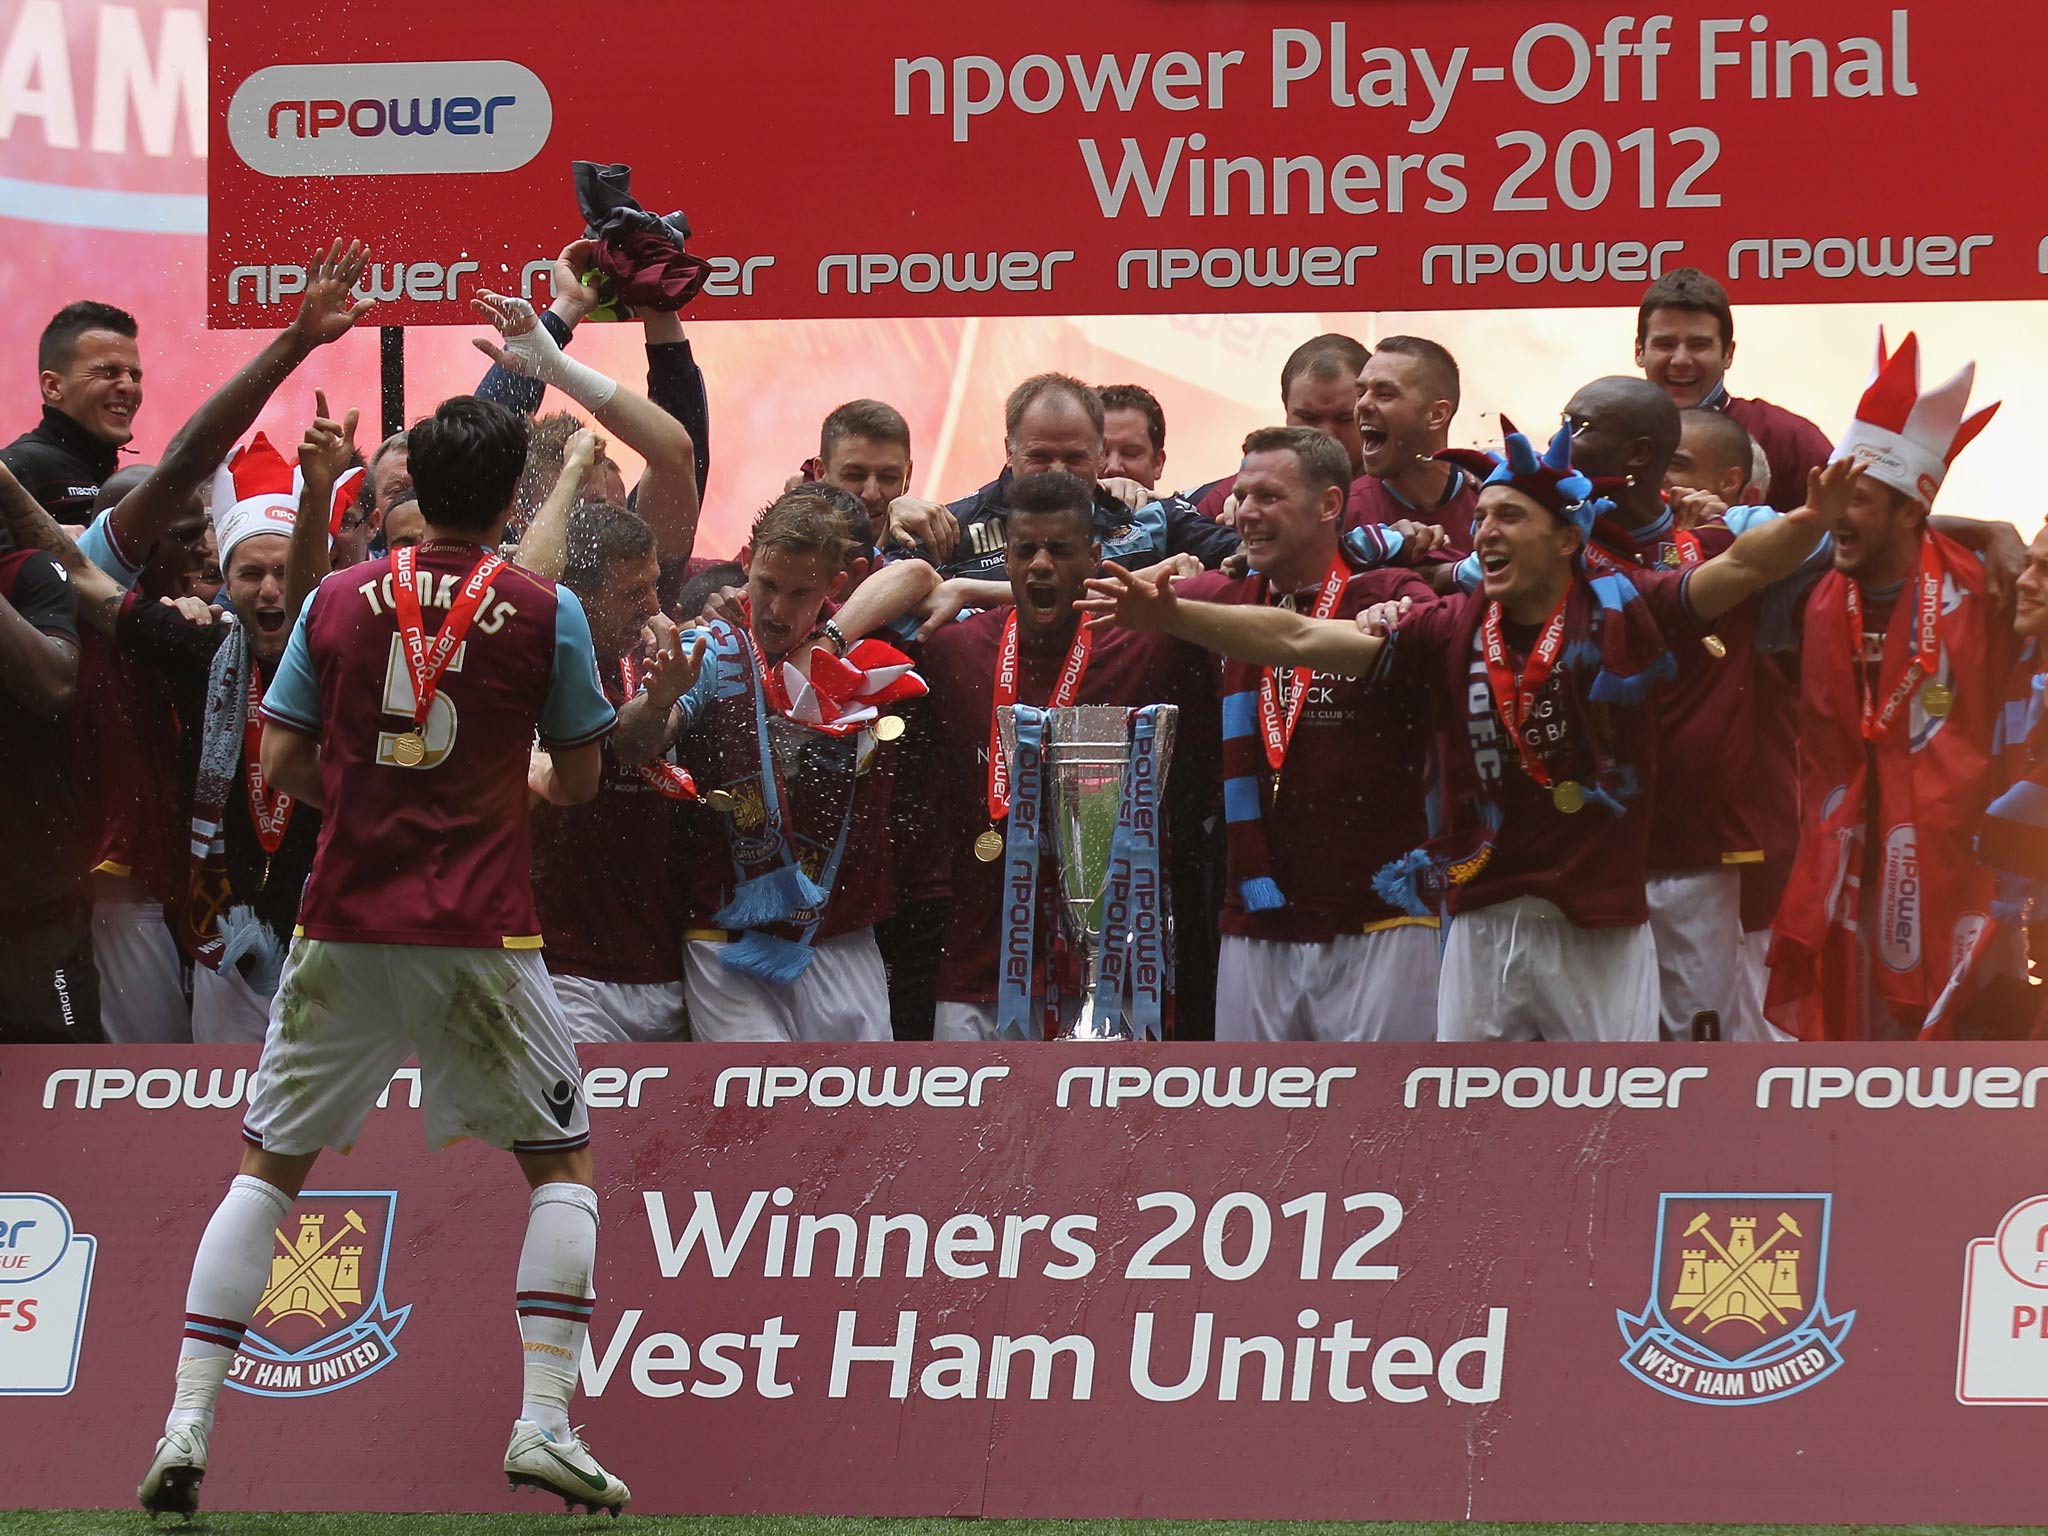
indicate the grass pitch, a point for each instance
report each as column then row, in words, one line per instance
column 90, row 1522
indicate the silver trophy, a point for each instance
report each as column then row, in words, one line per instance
column 1086, row 771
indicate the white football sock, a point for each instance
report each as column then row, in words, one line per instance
column 556, row 1293
column 228, row 1276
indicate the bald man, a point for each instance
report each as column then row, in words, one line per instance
column 1706, row 829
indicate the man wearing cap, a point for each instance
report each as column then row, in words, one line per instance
column 1546, row 751
column 1902, row 668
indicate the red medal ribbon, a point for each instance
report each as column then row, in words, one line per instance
column 1926, row 645
column 1278, row 735
column 1515, row 697
column 429, row 661
column 1071, row 672
column 271, row 813
column 665, row 776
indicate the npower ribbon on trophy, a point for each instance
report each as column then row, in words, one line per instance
column 1091, row 958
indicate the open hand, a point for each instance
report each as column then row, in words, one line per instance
column 1123, row 597
column 329, row 309
column 516, row 322
column 674, row 670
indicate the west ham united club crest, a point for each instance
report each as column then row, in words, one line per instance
column 1737, row 1312
column 322, row 1323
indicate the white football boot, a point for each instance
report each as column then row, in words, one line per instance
column 563, row 1467
column 171, row 1486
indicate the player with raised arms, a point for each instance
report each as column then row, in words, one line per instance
column 1547, row 760
column 405, row 708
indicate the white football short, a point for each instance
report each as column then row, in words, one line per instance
column 496, row 1060
column 226, row 1010
column 1696, row 922
column 1522, row 970
column 619, row 1012
column 1360, row 986
column 843, row 995
column 142, row 981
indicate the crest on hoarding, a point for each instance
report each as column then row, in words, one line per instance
column 322, row 1323
column 1737, row 1310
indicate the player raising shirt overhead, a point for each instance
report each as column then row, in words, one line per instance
column 405, row 707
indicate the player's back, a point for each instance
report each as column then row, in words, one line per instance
column 425, row 838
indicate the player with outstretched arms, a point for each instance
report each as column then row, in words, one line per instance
column 405, row 707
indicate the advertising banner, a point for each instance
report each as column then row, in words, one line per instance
column 1690, row 1284
column 976, row 160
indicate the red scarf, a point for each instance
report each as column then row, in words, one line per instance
column 1927, row 796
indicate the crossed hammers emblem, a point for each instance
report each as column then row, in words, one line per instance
column 1740, row 1272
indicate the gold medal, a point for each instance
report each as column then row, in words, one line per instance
column 1716, row 647
column 409, row 750
column 1568, row 796
column 988, row 846
column 1937, row 698
column 888, row 728
column 722, row 801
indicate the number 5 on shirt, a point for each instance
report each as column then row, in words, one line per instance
column 442, row 720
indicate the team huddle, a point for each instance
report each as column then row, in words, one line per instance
column 1674, row 721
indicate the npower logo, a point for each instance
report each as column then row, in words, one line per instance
column 456, row 117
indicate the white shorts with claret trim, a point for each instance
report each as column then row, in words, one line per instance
column 496, row 1060
column 1380, row 985
column 842, row 995
column 1522, row 970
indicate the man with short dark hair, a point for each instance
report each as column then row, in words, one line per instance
column 49, row 988
column 1037, row 651
column 1323, row 781
column 419, row 933
column 1903, row 669
column 1685, row 344
column 615, row 948
column 1407, row 394
column 864, row 448
column 1133, row 434
column 1712, row 460
column 91, row 374
column 1318, row 390
column 1546, row 754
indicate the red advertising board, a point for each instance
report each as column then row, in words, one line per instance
column 1689, row 1284
column 1171, row 156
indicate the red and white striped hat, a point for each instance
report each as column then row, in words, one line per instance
column 1905, row 438
column 256, row 491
